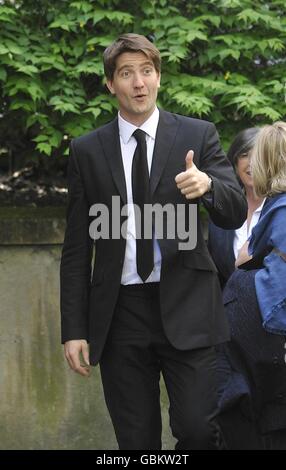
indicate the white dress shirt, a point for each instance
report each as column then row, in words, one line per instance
column 128, row 145
column 243, row 233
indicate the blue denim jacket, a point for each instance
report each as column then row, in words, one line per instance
column 270, row 281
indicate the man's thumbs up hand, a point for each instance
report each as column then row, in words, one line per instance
column 193, row 183
column 189, row 159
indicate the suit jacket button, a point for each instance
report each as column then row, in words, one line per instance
column 275, row 361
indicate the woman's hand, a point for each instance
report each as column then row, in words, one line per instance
column 243, row 255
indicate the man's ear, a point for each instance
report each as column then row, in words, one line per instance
column 110, row 86
column 159, row 80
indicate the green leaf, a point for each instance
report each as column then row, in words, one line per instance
column 64, row 107
column 82, row 6
column 94, row 111
column 44, row 148
column 22, row 104
column 89, row 66
column 213, row 19
column 52, row 137
column 3, row 74
column 65, row 23
column 10, row 11
column 228, row 4
column 13, row 47
column 79, row 125
column 276, row 44
column 195, row 104
column 28, row 69
column 268, row 112
column 192, row 35
column 14, row 85
column 250, row 16
column 38, row 118
column 101, row 41
column 41, row 138
column 119, row 16
column 7, row 14
column 107, row 107
column 229, row 52
column 36, row 91
column 3, row 49
column 228, row 39
column 238, row 79
column 274, row 85
column 56, row 138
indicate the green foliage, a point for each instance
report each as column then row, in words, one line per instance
column 223, row 60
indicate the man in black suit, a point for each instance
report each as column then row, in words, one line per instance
column 147, row 311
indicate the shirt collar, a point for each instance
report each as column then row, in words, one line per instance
column 259, row 209
column 126, row 129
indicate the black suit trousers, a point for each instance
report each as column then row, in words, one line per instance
column 135, row 354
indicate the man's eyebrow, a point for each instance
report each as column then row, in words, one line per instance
column 129, row 66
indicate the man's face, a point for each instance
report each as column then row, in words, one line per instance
column 135, row 84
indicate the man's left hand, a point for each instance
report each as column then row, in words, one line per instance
column 193, row 183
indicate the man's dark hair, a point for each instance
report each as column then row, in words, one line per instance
column 129, row 43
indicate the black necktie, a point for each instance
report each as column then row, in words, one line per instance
column 141, row 196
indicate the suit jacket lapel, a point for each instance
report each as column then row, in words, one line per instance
column 109, row 137
column 165, row 137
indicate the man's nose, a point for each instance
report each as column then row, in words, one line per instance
column 138, row 81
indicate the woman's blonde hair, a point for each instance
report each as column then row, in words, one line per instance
column 268, row 160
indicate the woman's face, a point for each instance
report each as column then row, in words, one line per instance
column 243, row 171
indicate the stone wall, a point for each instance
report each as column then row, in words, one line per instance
column 44, row 405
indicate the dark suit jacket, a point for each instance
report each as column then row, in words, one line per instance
column 191, row 304
column 251, row 367
column 220, row 245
